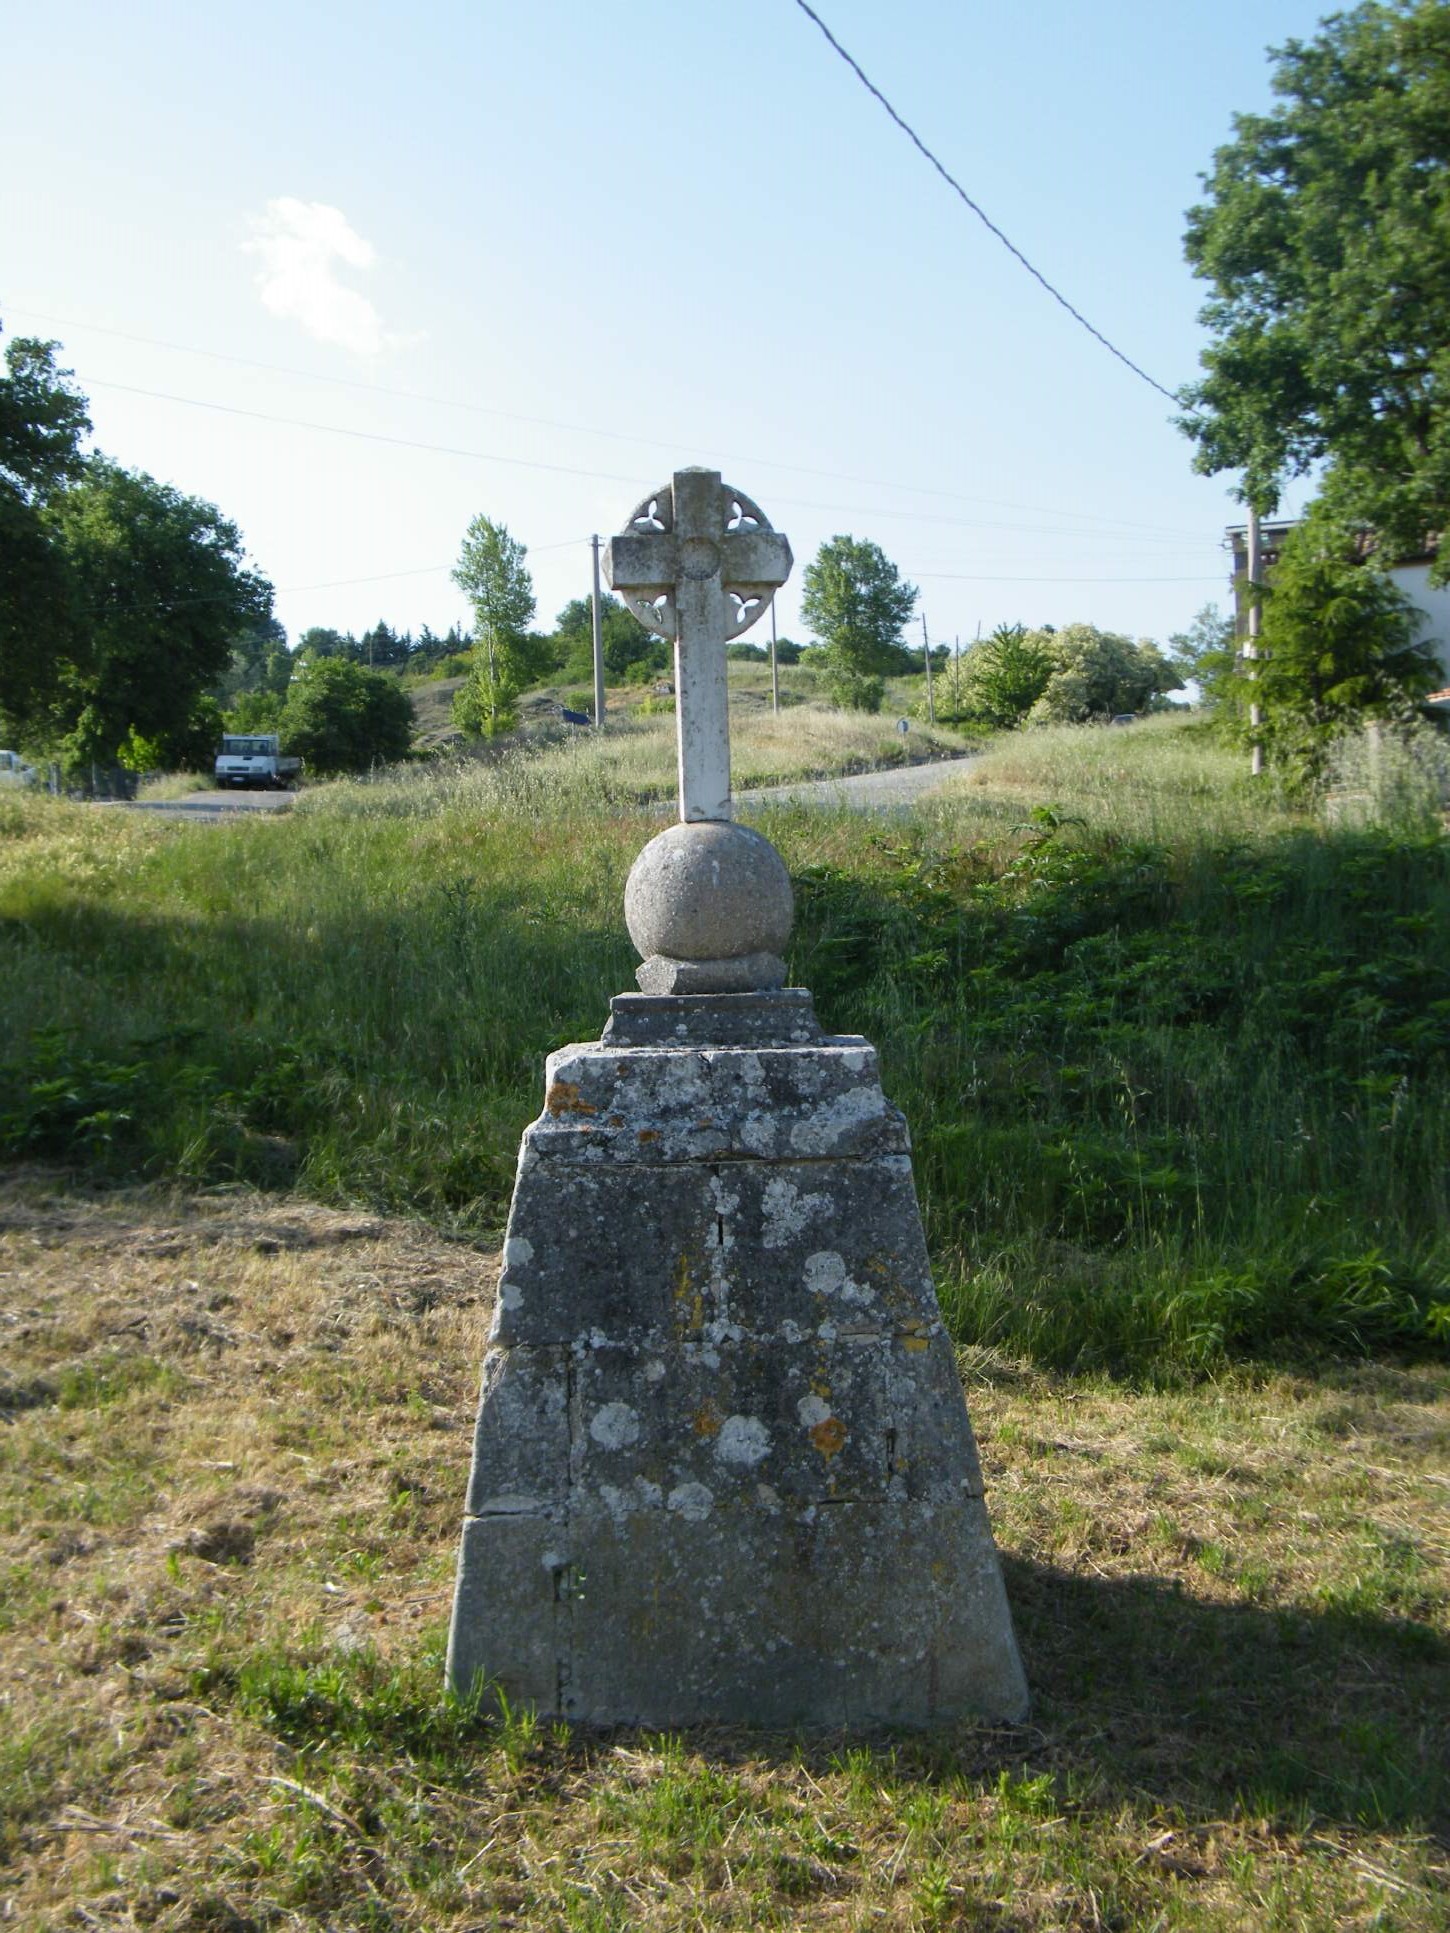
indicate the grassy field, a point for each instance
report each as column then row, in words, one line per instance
column 235, row 1441
column 1174, row 1059
column 634, row 759
column 820, row 738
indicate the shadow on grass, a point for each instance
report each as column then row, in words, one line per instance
column 1145, row 1699
column 1151, row 1694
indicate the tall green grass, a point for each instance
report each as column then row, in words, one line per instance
column 1174, row 1057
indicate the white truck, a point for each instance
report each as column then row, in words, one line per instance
column 14, row 770
column 255, row 758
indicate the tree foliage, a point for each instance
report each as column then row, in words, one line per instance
column 122, row 600
column 43, row 418
column 855, row 601
column 260, row 662
column 1324, row 237
column 1208, row 636
column 340, row 717
column 1003, row 677
column 493, row 575
column 42, row 421
column 161, row 590
column 1338, row 646
column 1098, row 675
column 629, row 650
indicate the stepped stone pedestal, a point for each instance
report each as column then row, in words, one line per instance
column 723, row 1469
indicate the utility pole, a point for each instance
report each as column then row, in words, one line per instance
column 1251, row 648
column 926, row 647
column 774, row 667
column 598, row 615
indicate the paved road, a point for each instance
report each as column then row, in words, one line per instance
column 208, row 805
column 885, row 791
column 889, row 791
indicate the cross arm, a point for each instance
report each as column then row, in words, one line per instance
column 639, row 560
column 755, row 559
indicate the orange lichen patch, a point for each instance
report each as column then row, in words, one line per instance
column 563, row 1098
column 911, row 1338
column 689, row 1302
column 706, row 1420
column 615, row 1121
column 649, row 1134
column 828, row 1436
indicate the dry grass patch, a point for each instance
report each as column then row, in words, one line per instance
column 232, row 1462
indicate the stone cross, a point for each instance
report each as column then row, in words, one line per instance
column 698, row 563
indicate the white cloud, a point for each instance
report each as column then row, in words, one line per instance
column 301, row 245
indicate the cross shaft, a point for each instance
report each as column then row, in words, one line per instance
column 682, row 565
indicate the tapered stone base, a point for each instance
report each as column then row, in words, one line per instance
column 723, row 1468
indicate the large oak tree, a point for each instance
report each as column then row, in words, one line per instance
column 42, row 422
column 121, row 598
column 1326, row 239
column 161, row 591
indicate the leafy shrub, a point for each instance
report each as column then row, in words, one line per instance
column 341, row 718
column 1097, row 675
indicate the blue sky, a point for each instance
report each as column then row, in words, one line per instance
column 577, row 247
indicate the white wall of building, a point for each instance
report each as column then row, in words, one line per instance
column 1431, row 599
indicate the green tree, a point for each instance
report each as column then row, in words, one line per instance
column 1338, row 646
column 340, row 717
column 191, row 748
column 321, row 641
column 43, row 417
column 1005, row 675
column 492, row 574
column 855, row 601
column 1210, row 634
column 256, row 711
column 260, row 661
column 1098, row 674
column 42, row 421
column 1324, row 237
column 161, row 590
column 629, row 650
column 383, row 647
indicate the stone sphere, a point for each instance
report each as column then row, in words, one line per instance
column 708, row 889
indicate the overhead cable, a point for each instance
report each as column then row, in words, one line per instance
column 977, row 210
column 584, row 429
column 635, row 483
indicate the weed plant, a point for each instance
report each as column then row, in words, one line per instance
column 1173, row 1055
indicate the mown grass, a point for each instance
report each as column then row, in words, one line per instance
column 231, row 1475
column 1174, row 1057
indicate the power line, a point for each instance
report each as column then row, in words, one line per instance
column 329, row 584
column 584, row 429
column 366, row 436
column 969, row 577
column 980, row 213
column 564, row 469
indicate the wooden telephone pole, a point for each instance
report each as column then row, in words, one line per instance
column 1251, row 648
column 598, row 641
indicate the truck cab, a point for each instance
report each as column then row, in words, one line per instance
column 254, row 758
